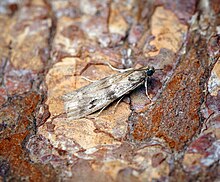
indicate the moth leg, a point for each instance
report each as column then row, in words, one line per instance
column 117, row 104
column 119, row 70
column 101, row 111
column 87, row 79
column 97, row 115
column 146, row 92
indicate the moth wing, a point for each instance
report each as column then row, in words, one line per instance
column 101, row 93
column 91, row 98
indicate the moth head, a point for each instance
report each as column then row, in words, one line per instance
column 150, row 71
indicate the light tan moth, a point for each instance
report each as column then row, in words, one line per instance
column 101, row 93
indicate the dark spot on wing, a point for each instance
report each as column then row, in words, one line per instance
column 111, row 95
column 131, row 79
column 92, row 103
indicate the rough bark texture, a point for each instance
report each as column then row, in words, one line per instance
column 47, row 47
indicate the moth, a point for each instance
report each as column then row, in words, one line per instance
column 99, row 94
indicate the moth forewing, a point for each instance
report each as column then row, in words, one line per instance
column 101, row 93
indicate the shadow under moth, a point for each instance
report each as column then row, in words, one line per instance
column 99, row 94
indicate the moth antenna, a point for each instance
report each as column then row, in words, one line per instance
column 87, row 79
column 159, row 69
column 119, row 70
